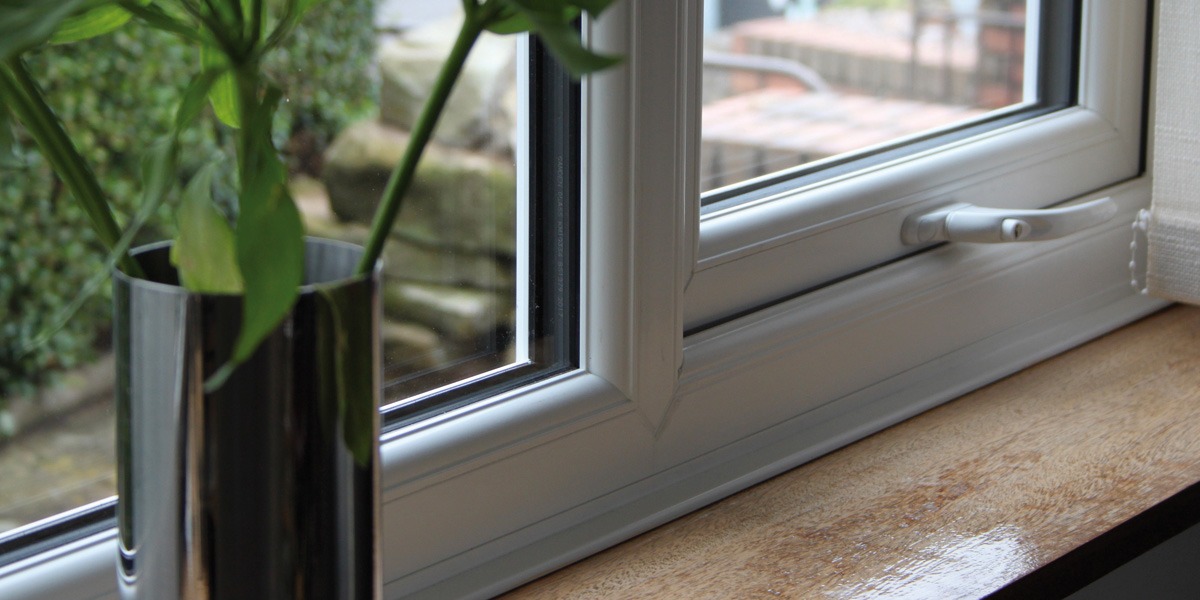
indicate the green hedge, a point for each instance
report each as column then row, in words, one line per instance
column 47, row 252
column 115, row 93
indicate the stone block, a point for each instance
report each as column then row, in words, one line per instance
column 410, row 348
column 458, row 315
column 405, row 260
column 458, row 198
column 481, row 112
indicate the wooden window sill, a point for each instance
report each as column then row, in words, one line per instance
column 988, row 493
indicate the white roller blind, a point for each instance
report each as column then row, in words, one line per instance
column 1173, row 262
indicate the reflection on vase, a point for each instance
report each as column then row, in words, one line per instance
column 267, row 487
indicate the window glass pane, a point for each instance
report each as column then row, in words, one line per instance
column 450, row 263
column 354, row 77
column 791, row 83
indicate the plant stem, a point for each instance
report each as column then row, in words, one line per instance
column 402, row 176
column 246, row 84
column 31, row 107
column 255, row 25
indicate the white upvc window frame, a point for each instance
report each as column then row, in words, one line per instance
column 653, row 424
column 756, row 252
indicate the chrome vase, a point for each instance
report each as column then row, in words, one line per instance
column 268, row 487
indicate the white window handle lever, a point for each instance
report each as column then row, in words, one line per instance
column 969, row 223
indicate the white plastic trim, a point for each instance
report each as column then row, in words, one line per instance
column 491, row 430
column 741, row 419
column 640, row 221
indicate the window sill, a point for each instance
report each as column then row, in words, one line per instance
column 959, row 501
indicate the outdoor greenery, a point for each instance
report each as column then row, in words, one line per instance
column 114, row 93
column 254, row 245
column 47, row 252
column 324, row 68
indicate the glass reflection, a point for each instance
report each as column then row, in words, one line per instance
column 792, row 82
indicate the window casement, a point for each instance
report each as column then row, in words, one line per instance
column 808, row 324
column 1031, row 163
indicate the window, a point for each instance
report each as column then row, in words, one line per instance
column 809, row 324
column 1097, row 141
column 478, row 294
column 514, row 320
column 799, row 86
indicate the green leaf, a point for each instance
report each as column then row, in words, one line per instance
column 553, row 22
column 158, row 169
column 295, row 11
column 256, row 13
column 509, row 21
column 227, row 12
column 90, row 23
column 350, row 358
column 562, row 11
column 9, row 157
column 269, row 239
column 155, row 16
column 27, row 23
column 223, row 92
column 25, row 99
column 192, row 101
column 203, row 252
column 562, row 40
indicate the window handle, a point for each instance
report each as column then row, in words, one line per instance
column 969, row 223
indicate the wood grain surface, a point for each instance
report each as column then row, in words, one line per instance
column 954, row 503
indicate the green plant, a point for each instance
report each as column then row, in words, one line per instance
column 259, row 252
column 109, row 91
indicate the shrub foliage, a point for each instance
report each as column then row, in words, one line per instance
column 115, row 94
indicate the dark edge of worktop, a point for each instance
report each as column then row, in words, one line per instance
column 1076, row 569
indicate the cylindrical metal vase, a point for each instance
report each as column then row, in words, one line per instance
column 266, row 488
